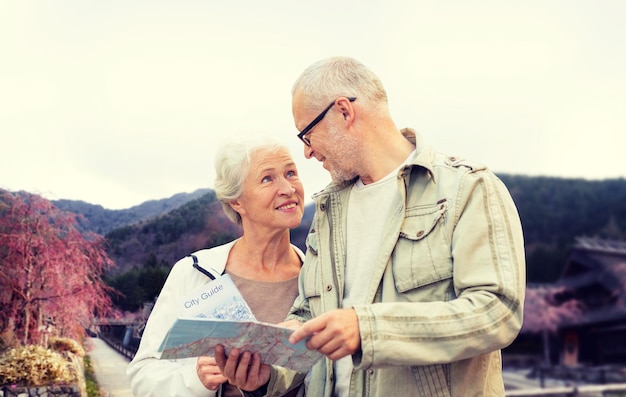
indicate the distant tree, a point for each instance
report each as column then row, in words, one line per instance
column 151, row 261
column 551, row 261
column 198, row 224
column 50, row 273
column 130, row 297
column 137, row 286
column 554, row 211
column 543, row 314
column 151, row 282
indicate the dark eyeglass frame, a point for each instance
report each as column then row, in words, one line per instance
column 308, row 128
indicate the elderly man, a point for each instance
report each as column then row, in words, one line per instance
column 414, row 275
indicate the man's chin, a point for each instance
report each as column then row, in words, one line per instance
column 339, row 177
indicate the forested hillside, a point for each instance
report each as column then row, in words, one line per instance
column 162, row 240
column 201, row 223
column 553, row 211
column 101, row 220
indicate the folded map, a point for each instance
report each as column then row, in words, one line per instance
column 193, row 337
column 219, row 298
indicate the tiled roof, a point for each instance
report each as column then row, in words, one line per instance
column 598, row 245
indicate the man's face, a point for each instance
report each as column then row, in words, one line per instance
column 341, row 155
column 330, row 142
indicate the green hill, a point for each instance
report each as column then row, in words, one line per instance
column 101, row 220
column 556, row 210
column 553, row 212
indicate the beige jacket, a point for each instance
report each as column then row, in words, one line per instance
column 447, row 293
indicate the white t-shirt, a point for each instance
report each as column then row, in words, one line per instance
column 368, row 211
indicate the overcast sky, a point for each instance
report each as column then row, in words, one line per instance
column 119, row 102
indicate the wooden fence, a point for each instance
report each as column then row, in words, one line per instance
column 127, row 351
column 613, row 390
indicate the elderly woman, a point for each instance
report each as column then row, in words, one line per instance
column 258, row 185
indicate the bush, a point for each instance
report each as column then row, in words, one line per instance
column 34, row 365
column 66, row 345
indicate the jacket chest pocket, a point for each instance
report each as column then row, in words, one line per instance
column 311, row 275
column 422, row 254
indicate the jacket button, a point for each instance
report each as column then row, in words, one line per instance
column 420, row 233
column 322, row 207
column 329, row 287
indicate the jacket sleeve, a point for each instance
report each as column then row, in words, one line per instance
column 300, row 309
column 150, row 376
column 281, row 382
column 473, row 306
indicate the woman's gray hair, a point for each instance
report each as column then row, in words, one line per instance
column 232, row 164
column 334, row 77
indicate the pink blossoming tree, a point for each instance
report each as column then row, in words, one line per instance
column 50, row 273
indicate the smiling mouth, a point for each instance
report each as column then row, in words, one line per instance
column 287, row 206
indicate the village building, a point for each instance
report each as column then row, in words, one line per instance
column 595, row 276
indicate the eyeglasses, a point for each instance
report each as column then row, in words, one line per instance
column 303, row 134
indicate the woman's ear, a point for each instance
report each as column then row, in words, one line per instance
column 236, row 205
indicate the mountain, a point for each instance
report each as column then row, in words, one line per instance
column 101, row 220
column 554, row 211
column 200, row 223
column 145, row 240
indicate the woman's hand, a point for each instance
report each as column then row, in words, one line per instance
column 209, row 373
column 243, row 369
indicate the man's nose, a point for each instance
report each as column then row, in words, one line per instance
column 308, row 151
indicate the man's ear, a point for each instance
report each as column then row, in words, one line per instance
column 346, row 109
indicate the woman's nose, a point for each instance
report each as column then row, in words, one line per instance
column 286, row 188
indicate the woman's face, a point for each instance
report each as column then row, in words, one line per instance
column 273, row 195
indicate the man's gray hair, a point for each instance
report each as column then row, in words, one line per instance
column 334, row 77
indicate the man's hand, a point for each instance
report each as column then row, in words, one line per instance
column 209, row 373
column 335, row 334
column 292, row 324
column 242, row 369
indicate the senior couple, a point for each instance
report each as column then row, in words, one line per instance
column 413, row 277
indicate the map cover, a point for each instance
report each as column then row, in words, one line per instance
column 220, row 299
column 193, row 337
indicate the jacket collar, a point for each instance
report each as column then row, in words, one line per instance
column 424, row 153
column 424, row 158
column 214, row 259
